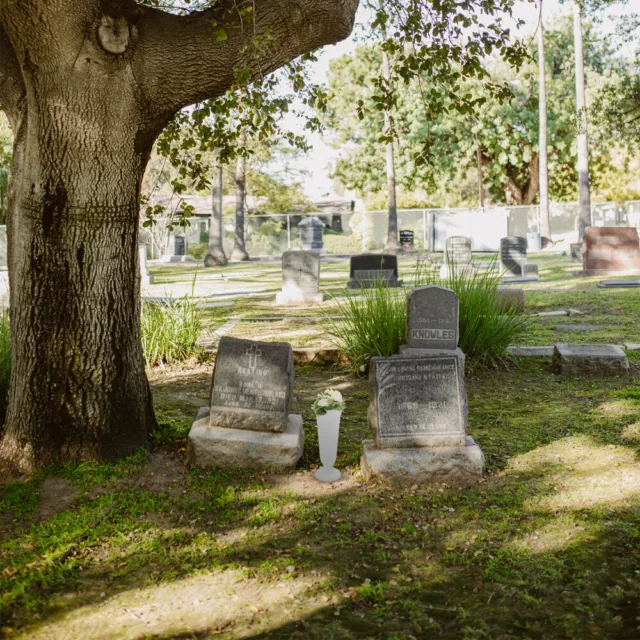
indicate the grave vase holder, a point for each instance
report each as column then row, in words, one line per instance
column 328, row 431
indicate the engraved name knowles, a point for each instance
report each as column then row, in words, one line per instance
column 433, row 334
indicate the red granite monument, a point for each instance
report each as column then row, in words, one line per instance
column 609, row 251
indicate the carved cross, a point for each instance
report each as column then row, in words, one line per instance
column 254, row 353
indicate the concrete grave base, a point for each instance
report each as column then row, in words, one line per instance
column 530, row 352
column 590, row 360
column 448, row 271
column 362, row 283
column 423, row 465
column 229, row 448
column 296, row 298
column 605, row 273
column 188, row 259
column 607, row 284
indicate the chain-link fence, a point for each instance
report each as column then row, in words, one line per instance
column 350, row 233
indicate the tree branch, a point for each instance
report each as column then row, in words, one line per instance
column 12, row 90
column 180, row 60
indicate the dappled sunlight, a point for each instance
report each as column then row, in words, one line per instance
column 631, row 433
column 582, row 473
column 209, row 602
column 620, row 408
column 555, row 535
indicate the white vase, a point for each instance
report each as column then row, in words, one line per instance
column 328, row 430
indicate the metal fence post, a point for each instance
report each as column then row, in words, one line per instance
column 364, row 231
column 288, row 231
column 424, row 230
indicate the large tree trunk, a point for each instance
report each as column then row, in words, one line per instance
column 522, row 195
column 216, row 256
column 239, row 250
column 78, row 386
column 87, row 86
column 545, row 220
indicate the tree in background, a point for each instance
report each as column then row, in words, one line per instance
column 435, row 152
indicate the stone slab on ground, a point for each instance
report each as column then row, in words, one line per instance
column 550, row 314
column 580, row 327
column 231, row 448
column 531, row 352
column 590, row 360
column 619, row 284
column 423, row 465
column 632, row 346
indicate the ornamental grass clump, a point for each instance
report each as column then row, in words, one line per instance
column 487, row 328
column 170, row 330
column 373, row 324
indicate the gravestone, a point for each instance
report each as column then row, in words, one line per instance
column 432, row 318
column 176, row 250
column 513, row 255
column 248, row 422
column 457, row 257
column 610, row 251
column 406, row 239
column 593, row 360
column 576, row 251
column 145, row 277
column 418, row 401
column 300, row 278
column 370, row 269
column 311, row 229
column 509, row 298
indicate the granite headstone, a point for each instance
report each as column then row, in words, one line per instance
column 513, row 255
column 252, row 385
column 457, row 251
column 300, row 278
column 611, row 251
column 432, row 318
column 368, row 269
column 311, row 229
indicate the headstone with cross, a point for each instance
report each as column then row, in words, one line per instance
column 248, row 423
column 300, row 278
column 252, row 385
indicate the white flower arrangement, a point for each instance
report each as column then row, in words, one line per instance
column 329, row 400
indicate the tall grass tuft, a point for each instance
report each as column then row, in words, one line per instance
column 486, row 327
column 170, row 330
column 5, row 363
column 374, row 321
column 373, row 325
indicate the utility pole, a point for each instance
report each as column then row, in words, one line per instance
column 584, row 219
column 545, row 221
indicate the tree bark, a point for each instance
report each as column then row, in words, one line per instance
column 216, row 256
column 239, row 252
column 545, row 220
column 87, row 86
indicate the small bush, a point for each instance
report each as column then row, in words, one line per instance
column 5, row 363
column 373, row 325
column 198, row 250
column 170, row 330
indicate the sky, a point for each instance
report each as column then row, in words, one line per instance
column 317, row 183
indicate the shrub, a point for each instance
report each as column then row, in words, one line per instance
column 170, row 330
column 373, row 325
column 198, row 250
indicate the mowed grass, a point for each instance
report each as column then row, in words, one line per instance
column 545, row 546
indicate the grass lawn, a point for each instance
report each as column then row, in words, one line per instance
column 547, row 545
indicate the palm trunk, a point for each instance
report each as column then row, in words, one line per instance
column 545, row 220
column 584, row 194
column 215, row 256
column 239, row 250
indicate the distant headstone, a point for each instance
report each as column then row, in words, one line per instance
column 300, row 278
column 145, row 277
column 248, row 422
column 611, row 251
column 534, row 241
column 311, row 229
column 176, row 250
column 509, row 298
column 418, row 405
column 406, row 239
column 457, row 251
column 432, row 318
column 513, row 255
column 369, row 269
column 590, row 360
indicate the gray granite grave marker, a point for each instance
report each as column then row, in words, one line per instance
column 252, row 385
column 513, row 255
column 369, row 269
column 432, row 318
column 300, row 278
column 457, row 251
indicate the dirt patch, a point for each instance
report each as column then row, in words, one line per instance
column 56, row 494
column 164, row 473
